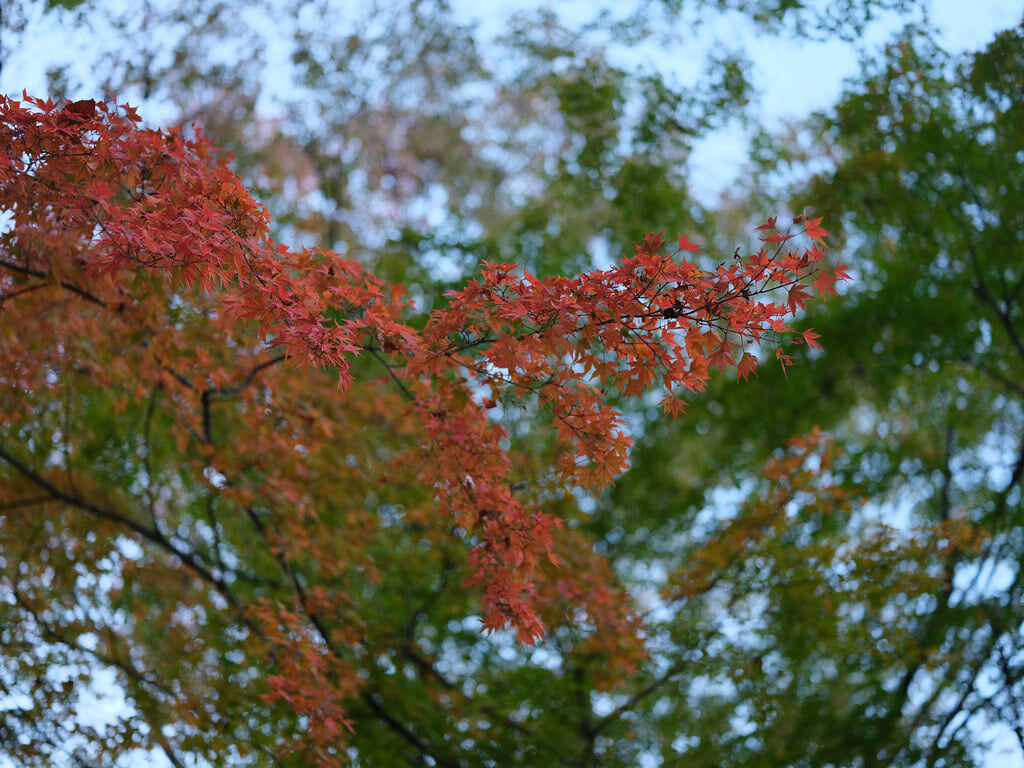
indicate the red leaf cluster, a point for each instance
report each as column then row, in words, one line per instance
column 108, row 214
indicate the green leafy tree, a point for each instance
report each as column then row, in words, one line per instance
column 874, row 651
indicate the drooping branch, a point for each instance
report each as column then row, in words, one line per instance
column 152, row 535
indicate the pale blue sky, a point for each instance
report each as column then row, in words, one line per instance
column 794, row 77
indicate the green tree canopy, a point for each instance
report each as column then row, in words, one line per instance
column 919, row 388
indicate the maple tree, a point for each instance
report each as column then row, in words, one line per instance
column 218, row 453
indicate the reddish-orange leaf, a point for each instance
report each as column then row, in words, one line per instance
column 746, row 366
column 686, row 245
column 815, row 231
column 673, row 406
column 809, row 337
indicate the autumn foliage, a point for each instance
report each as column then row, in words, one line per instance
column 315, row 406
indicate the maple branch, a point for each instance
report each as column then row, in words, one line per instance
column 586, row 711
column 289, row 571
column 410, row 650
column 150, row 499
column 375, row 353
column 215, row 526
column 933, row 622
column 206, row 398
column 1016, row 705
column 1011, row 384
column 30, row 721
column 430, row 670
column 26, row 289
column 980, row 286
column 454, row 348
column 248, row 255
column 59, row 495
column 146, row 463
column 967, row 687
column 407, row 733
column 48, row 630
column 645, row 692
column 180, row 378
column 234, row 389
column 981, row 290
column 999, row 513
column 31, row 501
column 314, row 617
column 149, row 534
column 63, row 283
column 169, row 752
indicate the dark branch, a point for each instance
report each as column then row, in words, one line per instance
column 63, row 283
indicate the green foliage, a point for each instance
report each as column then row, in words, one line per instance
column 920, row 387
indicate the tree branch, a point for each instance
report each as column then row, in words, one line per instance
column 63, row 283
column 151, row 535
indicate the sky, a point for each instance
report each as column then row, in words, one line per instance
column 799, row 78
column 793, row 77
